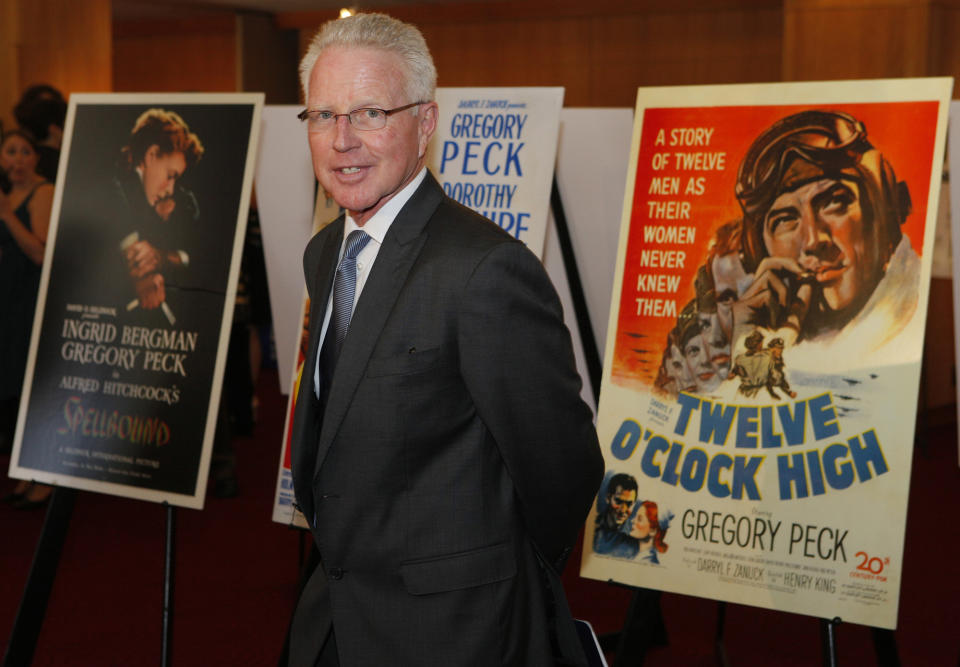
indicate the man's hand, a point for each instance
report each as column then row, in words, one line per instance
column 142, row 259
column 779, row 288
column 150, row 291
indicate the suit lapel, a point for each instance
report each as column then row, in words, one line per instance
column 321, row 265
column 398, row 253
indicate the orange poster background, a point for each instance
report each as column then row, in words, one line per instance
column 903, row 131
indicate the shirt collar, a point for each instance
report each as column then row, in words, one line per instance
column 380, row 222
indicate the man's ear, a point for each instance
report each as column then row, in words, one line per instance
column 427, row 124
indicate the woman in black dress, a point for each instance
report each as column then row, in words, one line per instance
column 24, row 219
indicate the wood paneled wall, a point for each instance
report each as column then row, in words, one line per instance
column 890, row 38
column 9, row 76
column 65, row 43
column 944, row 32
column 600, row 57
column 192, row 54
column 268, row 59
column 214, row 52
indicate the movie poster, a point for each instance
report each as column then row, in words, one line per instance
column 764, row 346
column 284, row 501
column 953, row 258
column 325, row 211
column 494, row 151
column 285, row 189
column 123, row 379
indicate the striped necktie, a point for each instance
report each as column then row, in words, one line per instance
column 344, row 289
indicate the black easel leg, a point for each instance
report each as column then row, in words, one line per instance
column 643, row 627
column 591, row 352
column 168, row 579
column 719, row 647
column 43, row 572
column 828, row 638
column 885, row 646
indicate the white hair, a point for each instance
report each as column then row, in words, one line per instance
column 377, row 31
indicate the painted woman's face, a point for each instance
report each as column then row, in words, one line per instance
column 717, row 343
column 677, row 369
column 698, row 361
column 641, row 528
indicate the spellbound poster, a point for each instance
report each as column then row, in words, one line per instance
column 763, row 352
column 129, row 342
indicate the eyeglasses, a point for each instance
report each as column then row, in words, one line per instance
column 364, row 118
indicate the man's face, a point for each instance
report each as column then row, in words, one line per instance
column 160, row 173
column 822, row 226
column 620, row 504
column 362, row 170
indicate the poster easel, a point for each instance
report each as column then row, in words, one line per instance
column 43, row 572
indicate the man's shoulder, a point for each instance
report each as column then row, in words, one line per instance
column 445, row 220
column 467, row 226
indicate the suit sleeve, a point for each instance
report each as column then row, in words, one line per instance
column 517, row 361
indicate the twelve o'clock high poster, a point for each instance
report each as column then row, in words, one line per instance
column 763, row 353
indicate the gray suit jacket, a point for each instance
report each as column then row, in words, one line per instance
column 449, row 474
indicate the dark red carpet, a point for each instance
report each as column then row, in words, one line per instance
column 236, row 574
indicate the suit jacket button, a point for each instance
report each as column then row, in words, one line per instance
column 335, row 573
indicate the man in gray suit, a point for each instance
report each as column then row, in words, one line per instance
column 441, row 451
